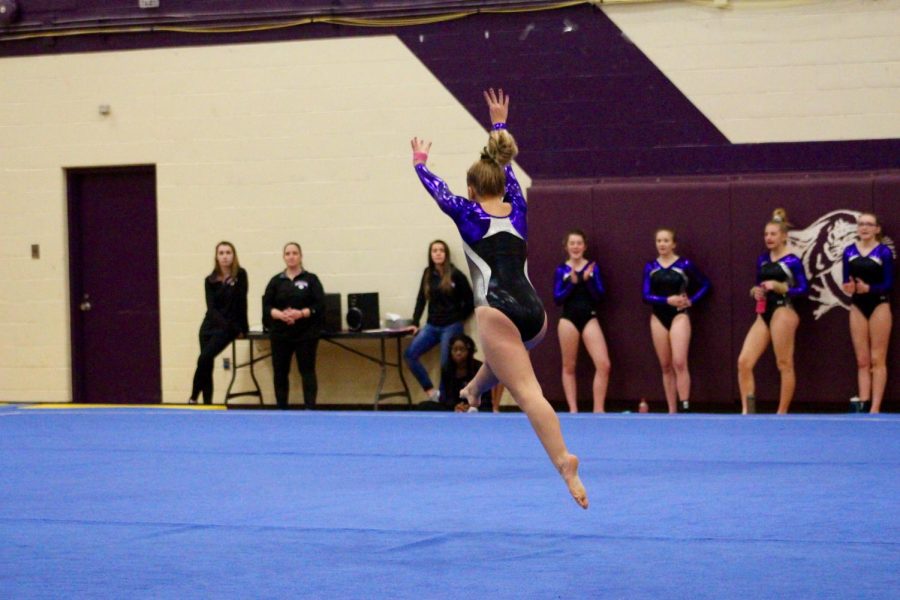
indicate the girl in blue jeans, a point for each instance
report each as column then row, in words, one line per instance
column 449, row 297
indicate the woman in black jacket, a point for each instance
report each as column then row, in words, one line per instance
column 226, row 317
column 293, row 309
column 450, row 303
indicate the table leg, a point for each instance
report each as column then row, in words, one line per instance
column 253, row 375
column 400, row 372
column 235, row 366
column 233, row 369
column 383, row 367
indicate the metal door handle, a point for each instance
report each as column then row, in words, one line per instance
column 85, row 305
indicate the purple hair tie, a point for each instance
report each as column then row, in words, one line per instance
column 497, row 126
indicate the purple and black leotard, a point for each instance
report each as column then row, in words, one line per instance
column 661, row 282
column 577, row 298
column 787, row 269
column 876, row 269
column 496, row 251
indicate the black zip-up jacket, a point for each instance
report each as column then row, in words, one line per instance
column 303, row 291
column 445, row 308
column 226, row 304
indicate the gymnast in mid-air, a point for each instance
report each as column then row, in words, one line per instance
column 510, row 316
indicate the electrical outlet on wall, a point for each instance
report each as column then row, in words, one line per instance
column 148, row 3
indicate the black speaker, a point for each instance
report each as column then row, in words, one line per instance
column 362, row 311
column 332, row 321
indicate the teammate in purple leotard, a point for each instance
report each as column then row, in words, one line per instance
column 577, row 287
column 779, row 278
column 868, row 278
column 667, row 280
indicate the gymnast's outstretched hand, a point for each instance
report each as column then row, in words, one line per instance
column 420, row 149
column 498, row 105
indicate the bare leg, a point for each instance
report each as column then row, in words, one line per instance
column 879, row 334
column 508, row 357
column 568, row 346
column 595, row 343
column 859, row 335
column 784, row 328
column 484, row 379
column 680, row 337
column 660, row 337
column 497, row 396
column 754, row 345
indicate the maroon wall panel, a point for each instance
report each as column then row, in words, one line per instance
column 824, row 360
column 720, row 224
column 553, row 210
column 886, row 203
column 629, row 214
column 623, row 219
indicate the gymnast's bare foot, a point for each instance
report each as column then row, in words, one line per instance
column 569, row 471
column 472, row 398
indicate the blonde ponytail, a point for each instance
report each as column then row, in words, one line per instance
column 486, row 175
column 780, row 218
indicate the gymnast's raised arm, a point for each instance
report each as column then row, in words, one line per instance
column 437, row 187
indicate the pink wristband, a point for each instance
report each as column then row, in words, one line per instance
column 420, row 156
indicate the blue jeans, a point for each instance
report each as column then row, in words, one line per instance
column 427, row 338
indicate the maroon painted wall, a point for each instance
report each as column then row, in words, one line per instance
column 719, row 222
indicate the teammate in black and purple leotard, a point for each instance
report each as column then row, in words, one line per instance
column 667, row 281
column 868, row 278
column 787, row 270
column 510, row 316
column 577, row 286
column 779, row 278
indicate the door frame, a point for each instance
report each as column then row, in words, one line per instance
column 75, row 260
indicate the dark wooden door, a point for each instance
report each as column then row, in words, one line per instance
column 114, row 285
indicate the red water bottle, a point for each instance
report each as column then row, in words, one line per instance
column 761, row 305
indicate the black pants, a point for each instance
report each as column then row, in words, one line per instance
column 212, row 343
column 283, row 352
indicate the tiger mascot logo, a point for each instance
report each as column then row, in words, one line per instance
column 821, row 249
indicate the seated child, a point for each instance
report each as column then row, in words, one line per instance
column 458, row 372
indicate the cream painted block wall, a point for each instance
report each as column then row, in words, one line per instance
column 779, row 72
column 258, row 144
